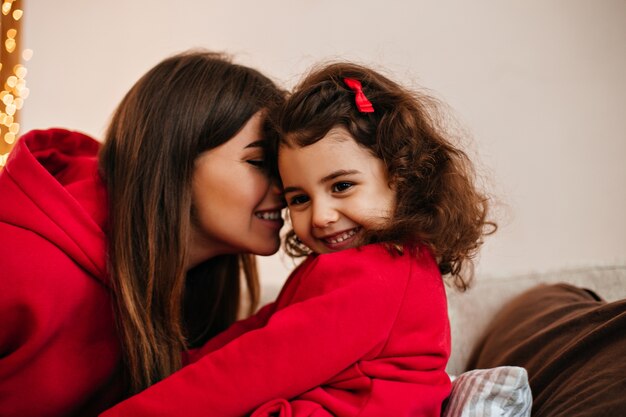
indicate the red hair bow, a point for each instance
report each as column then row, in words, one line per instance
column 362, row 103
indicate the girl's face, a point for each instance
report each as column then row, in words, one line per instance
column 335, row 190
column 237, row 208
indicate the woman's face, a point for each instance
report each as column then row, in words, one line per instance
column 237, row 208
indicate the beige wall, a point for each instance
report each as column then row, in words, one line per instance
column 540, row 86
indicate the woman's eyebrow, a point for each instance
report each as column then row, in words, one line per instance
column 256, row 144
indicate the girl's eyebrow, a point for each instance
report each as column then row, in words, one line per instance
column 338, row 173
column 291, row 190
column 256, row 144
column 327, row 178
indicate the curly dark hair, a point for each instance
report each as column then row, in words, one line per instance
column 438, row 203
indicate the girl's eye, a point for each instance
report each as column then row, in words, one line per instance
column 298, row 199
column 342, row 186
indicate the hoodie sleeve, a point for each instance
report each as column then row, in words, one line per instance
column 259, row 319
column 58, row 346
column 340, row 310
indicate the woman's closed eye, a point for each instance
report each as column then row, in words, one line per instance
column 257, row 162
column 342, row 186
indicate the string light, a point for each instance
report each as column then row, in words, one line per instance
column 13, row 90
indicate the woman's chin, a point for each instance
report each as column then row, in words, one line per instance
column 267, row 250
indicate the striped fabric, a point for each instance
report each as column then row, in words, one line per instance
column 502, row 391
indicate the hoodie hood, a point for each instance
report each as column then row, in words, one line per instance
column 50, row 186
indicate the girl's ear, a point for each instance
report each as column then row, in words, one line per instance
column 393, row 182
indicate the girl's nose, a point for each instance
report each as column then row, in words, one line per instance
column 323, row 215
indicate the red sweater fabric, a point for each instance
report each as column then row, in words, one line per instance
column 58, row 347
column 361, row 332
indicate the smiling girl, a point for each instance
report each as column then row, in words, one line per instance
column 336, row 190
column 383, row 205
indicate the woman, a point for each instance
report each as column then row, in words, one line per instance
column 120, row 261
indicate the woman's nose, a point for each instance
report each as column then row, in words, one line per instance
column 275, row 187
column 276, row 193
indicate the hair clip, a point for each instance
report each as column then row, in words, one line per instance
column 362, row 103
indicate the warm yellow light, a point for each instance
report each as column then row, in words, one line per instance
column 20, row 71
column 6, row 8
column 13, row 88
column 9, row 138
column 9, row 44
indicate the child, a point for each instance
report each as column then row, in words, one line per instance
column 386, row 204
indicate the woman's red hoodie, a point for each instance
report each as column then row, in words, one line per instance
column 59, row 352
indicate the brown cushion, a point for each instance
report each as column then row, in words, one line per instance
column 571, row 342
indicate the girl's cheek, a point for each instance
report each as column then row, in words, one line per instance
column 298, row 223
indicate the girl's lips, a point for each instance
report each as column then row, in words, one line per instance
column 341, row 240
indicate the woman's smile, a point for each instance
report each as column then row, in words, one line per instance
column 271, row 217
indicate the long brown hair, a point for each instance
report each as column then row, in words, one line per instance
column 437, row 202
column 185, row 105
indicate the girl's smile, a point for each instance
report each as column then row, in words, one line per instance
column 341, row 240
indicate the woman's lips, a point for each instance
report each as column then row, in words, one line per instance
column 271, row 217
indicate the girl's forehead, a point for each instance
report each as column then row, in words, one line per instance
column 339, row 134
column 337, row 151
column 336, row 134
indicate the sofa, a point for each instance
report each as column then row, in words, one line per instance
column 560, row 336
column 472, row 311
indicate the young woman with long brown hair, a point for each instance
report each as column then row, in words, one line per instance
column 122, row 256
